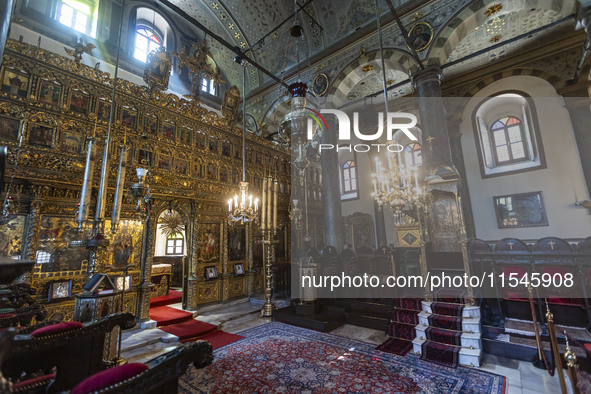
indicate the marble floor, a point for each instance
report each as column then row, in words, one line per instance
column 142, row 345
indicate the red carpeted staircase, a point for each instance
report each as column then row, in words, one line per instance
column 401, row 328
column 181, row 323
column 448, row 332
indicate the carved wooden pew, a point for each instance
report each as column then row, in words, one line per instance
column 158, row 376
column 75, row 349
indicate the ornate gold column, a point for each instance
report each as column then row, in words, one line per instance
column 192, row 244
column 146, row 265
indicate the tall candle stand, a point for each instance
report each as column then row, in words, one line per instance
column 269, row 230
column 268, row 240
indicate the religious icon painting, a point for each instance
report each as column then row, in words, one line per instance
column 213, row 146
column 200, row 140
column 9, row 128
column 129, row 117
column 164, row 162
column 145, row 158
column 79, row 102
column 239, row 269
column 226, row 148
column 15, row 83
column 71, row 142
column 224, row 175
column 185, row 136
column 211, row 273
column 182, row 166
column 41, row 135
column 235, row 177
column 168, row 131
column 103, row 111
column 150, row 126
column 60, row 290
column 49, row 93
column 212, row 172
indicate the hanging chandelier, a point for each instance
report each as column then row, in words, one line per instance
column 242, row 208
column 396, row 186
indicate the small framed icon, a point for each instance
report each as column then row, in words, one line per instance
column 239, row 269
column 211, row 273
column 60, row 290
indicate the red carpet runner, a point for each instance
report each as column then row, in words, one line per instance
column 173, row 297
column 165, row 315
column 180, row 323
column 401, row 328
column 444, row 336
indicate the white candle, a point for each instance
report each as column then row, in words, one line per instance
column 269, row 202
column 236, row 201
column 375, row 186
column 417, row 179
column 230, row 205
column 264, row 206
column 275, row 192
column 256, row 204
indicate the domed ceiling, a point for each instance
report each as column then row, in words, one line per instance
column 262, row 29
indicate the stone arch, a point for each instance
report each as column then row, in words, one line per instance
column 555, row 80
column 474, row 15
column 395, row 59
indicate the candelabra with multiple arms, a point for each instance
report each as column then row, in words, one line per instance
column 269, row 229
column 396, row 186
column 242, row 209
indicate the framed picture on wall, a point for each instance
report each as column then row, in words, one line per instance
column 41, row 135
column 120, row 281
column 239, row 269
column 520, row 210
column 211, row 273
column 15, row 83
column 60, row 290
column 9, row 128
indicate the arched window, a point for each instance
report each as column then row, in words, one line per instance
column 208, row 86
column 413, row 154
column 349, row 172
column 152, row 31
column 80, row 15
column 507, row 135
column 146, row 40
column 508, row 140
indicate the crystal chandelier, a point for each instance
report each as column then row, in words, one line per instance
column 242, row 209
column 396, row 186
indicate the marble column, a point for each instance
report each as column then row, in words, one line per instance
column 436, row 144
column 580, row 115
column 5, row 16
column 457, row 155
column 331, row 190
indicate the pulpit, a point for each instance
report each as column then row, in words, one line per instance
column 98, row 299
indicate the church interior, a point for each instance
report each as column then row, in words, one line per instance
column 370, row 196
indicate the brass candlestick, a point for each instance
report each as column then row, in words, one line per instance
column 269, row 306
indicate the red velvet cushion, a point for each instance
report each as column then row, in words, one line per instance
column 108, row 377
column 56, row 329
column 588, row 347
column 32, row 383
column 5, row 315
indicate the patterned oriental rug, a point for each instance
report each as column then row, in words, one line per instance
column 277, row 357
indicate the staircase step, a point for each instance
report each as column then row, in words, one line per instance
column 468, row 311
column 468, row 357
column 468, row 339
column 469, row 324
column 371, row 309
column 377, row 323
